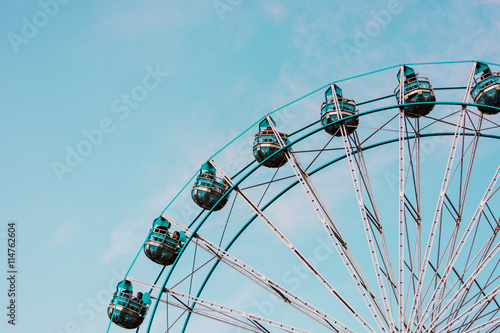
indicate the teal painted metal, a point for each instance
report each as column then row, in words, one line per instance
column 440, row 63
column 137, row 255
column 486, row 89
column 415, row 89
column 125, row 286
column 481, row 67
column 178, row 193
column 298, row 99
column 258, row 165
column 308, row 126
column 329, row 113
column 312, row 92
column 371, row 101
column 161, row 246
column 208, row 189
column 450, row 88
column 265, row 123
column 208, row 167
column 270, row 202
column 155, row 306
column 266, row 144
column 253, row 170
column 406, row 72
column 146, row 298
column 365, row 74
column 315, row 91
column 490, row 63
column 270, row 113
column 147, row 237
column 385, row 108
column 322, row 167
column 125, row 310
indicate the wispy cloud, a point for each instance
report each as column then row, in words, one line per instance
column 275, row 9
column 63, row 233
column 122, row 242
column 134, row 20
column 487, row 2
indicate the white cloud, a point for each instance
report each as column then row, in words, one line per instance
column 136, row 19
column 488, row 2
column 63, row 233
column 122, row 242
column 275, row 9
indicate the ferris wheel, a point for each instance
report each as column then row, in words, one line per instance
column 373, row 211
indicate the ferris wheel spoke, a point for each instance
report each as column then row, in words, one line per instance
column 410, row 203
column 294, row 250
column 459, row 298
column 179, row 306
column 417, row 303
column 491, row 125
column 358, row 170
column 234, row 314
column 223, row 318
column 455, row 253
column 488, row 283
column 401, row 210
column 465, row 176
column 467, row 323
column 494, row 318
column 477, row 306
column 447, row 276
column 465, row 287
column 464, row 300
column 208, row 313
column 377, row 130
column 490, row 326
column 455, row 211
column 483, row 256
column 440, row 120
column 335, row 235
column 266, row 283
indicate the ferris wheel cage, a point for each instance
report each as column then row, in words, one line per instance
column 256, row 165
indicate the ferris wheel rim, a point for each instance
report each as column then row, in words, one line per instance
column 463, row 104
column 290, row 144
column 292, row 185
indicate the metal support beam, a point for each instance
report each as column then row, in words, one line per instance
column 266, row 283
column 417, row 301
column 335, row 235
column 292, row 248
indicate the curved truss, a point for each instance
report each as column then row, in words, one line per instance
column 431, row 288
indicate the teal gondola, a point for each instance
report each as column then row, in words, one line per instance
column 125, row 310
column 416, row 90
column 208, row 189
column 161, row 246
column 485, row 89
column 266, row 144
column 329, row 113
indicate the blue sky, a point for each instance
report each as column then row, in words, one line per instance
column 196, row 73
